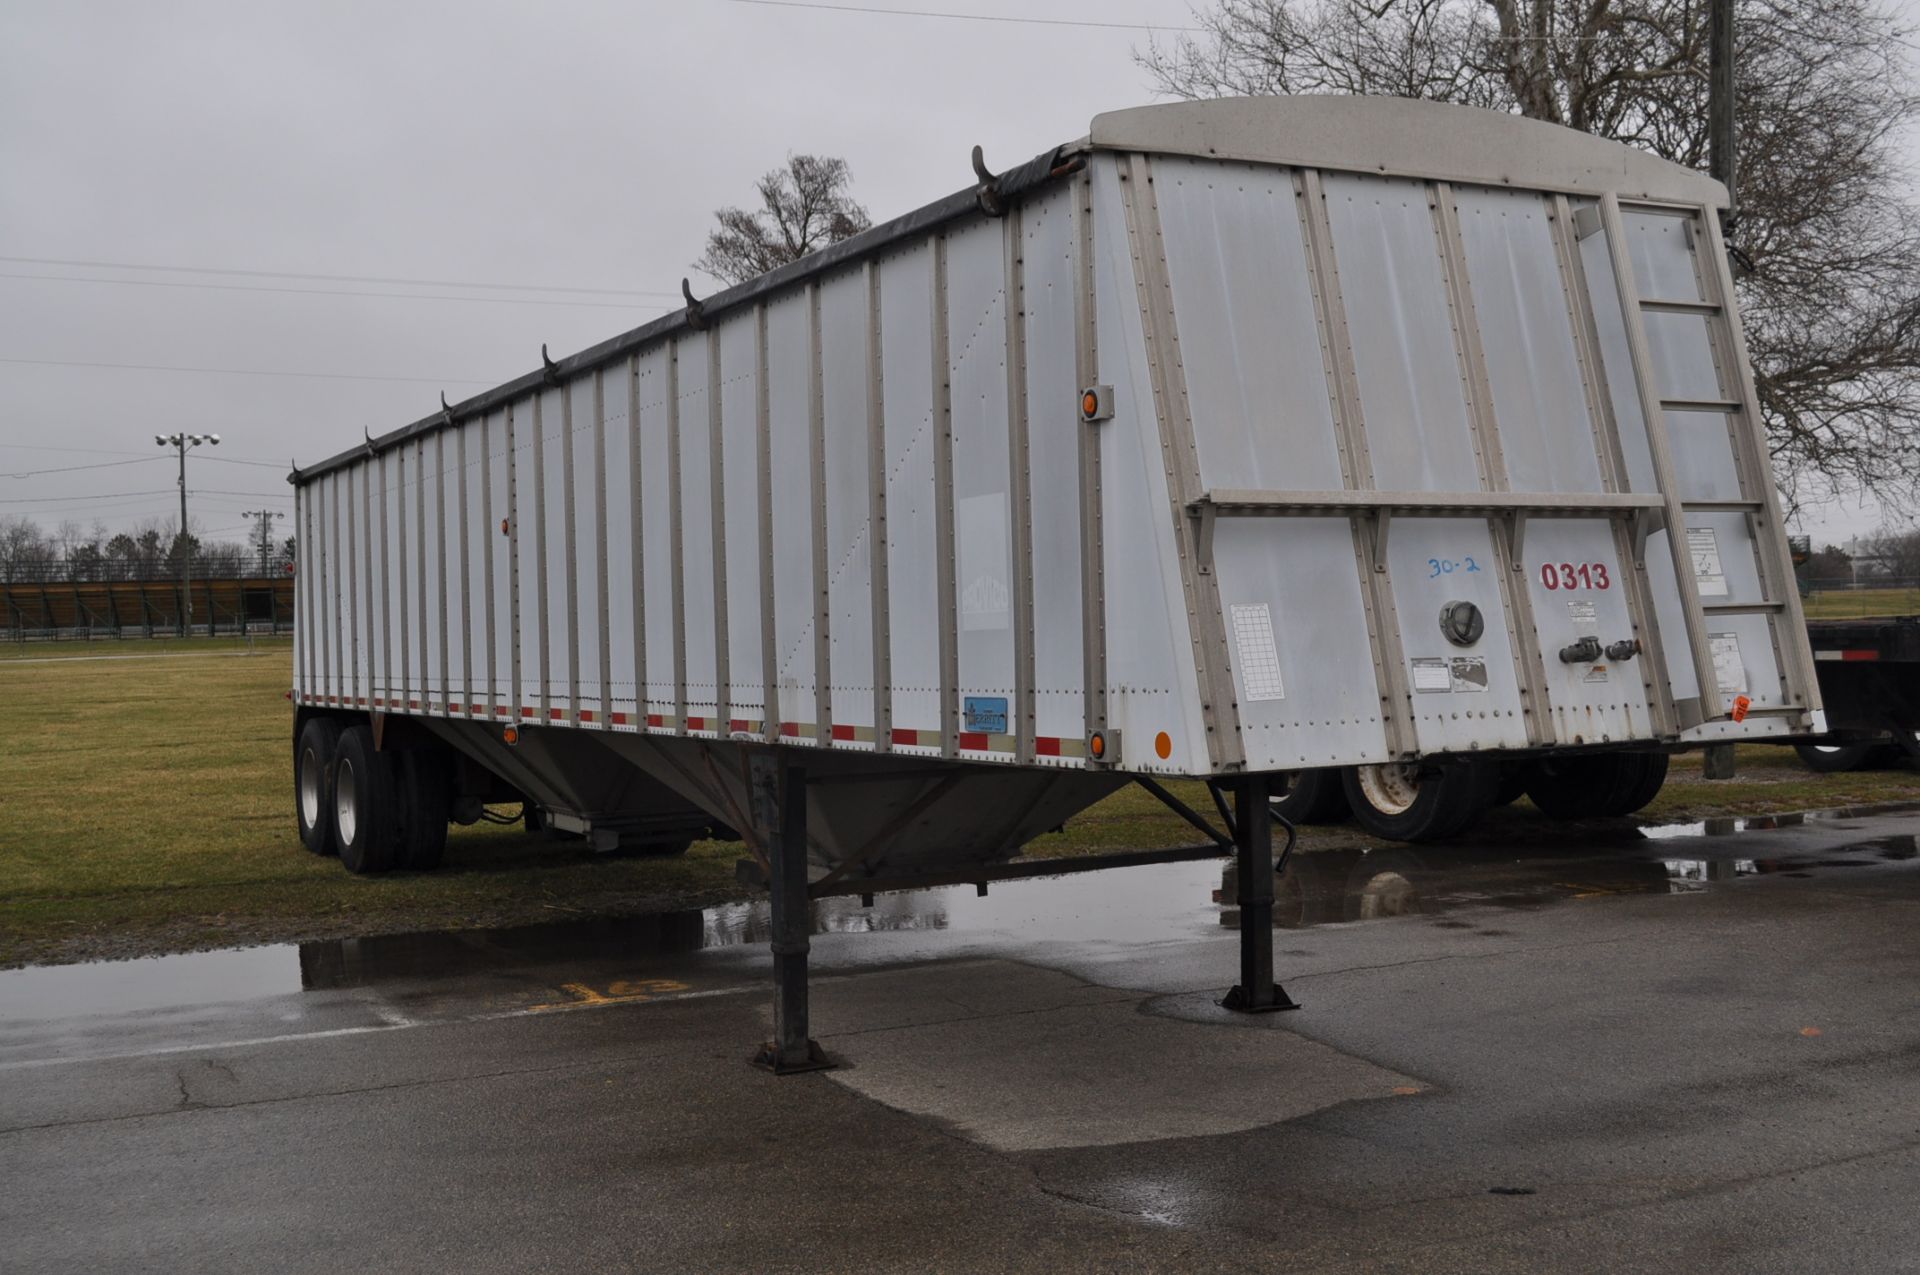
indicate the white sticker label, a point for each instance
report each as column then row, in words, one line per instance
column 1585, row 617
column 1432, row 675
column 1259, row 657
column 1729, row 673
column 1467, row 673
column 1595, row 673
column 1705, row 548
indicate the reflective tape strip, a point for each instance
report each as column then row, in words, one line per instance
column 1848, row 656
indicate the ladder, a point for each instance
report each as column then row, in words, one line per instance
column 1779, row 601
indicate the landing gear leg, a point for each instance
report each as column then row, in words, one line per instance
column 1256, row 993
column 780, row 807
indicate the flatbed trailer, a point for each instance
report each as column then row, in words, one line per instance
column 1869, row 672
column 1234, row 438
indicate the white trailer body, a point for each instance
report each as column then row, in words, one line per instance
column 1416, row 430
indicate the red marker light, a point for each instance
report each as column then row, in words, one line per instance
column 1740, row 706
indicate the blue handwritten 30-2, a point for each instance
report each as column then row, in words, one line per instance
column 1447, row 566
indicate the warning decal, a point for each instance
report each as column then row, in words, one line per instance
column 1432, row 675
column 1728, row 671
column 1467, row 673
column 1259, row 656
column 1704, row 547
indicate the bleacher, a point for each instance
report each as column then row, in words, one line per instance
column 73, row 610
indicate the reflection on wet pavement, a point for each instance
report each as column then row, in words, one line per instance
column 541, row 966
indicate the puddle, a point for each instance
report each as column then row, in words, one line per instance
column 1125, row 907
column 1726, row 826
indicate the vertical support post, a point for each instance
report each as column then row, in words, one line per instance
column 1721, row 161
column 779, row 802
column 1256, row 992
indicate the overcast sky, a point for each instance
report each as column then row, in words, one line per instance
column 578, row 145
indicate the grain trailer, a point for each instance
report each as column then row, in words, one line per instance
column 1235, row 439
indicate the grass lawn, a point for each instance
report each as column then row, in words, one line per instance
column 145, row 805
column 1851, row 604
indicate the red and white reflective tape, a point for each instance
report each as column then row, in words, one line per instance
column 1848, row 656
column 839, row 732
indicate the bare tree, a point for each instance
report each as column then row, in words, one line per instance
column 1832, row 307
column 1894, row 553
column 804, row 207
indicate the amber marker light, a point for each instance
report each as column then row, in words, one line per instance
column 1089, row 403
column 1098, row 746
column 510, row 735
column 1163, row 745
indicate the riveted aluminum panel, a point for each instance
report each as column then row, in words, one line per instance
column 656, row 530
column 699, row 641
column 1577, row 584
column 1262, row 413
column 1462, row 697
column 843, row 353
column 623, row 568
column 983, row 505
column 909, row 438
column 740, row 479
column 444, row 592
column 1053, row 457
column 789, row 358
column 1152, row 687
column 1396, row 296
column 499, row 557
column 583, row 553
column 1526, row 333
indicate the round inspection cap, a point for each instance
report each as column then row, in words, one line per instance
column 1462, row 623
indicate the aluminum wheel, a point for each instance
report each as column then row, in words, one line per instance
column 345, row 790
column 313, row 775
column 1390, row 789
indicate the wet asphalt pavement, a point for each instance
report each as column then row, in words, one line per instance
column 1692, row 1052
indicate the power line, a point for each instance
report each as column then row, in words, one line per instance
column 961, row 17
column 105, row 495
column 235, row 272
column 245, row 371
column 330, row 292
column 68, row 469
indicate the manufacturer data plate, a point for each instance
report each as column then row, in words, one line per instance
column 1585, row 617
column 1430, row 675
column 984, row 714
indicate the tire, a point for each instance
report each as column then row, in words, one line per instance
column 1311, row 797
column 1596, row 785
column 426, row 793
column 1419, row 801
column 366, row 804
column 1833, row 759
column 313, row 759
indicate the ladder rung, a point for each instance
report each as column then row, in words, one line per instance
column 1679, row 307
column 1701, row 404
column 1722, row 506
column 1742, row 608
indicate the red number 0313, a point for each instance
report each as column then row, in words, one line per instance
column 1575, row 575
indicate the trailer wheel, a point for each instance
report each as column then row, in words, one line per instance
column 1311, row 797
column 426, row 788
column 313, row 758
column 366, row 804
column 1598, row 785
column 1833, row 759
column 1419, row 801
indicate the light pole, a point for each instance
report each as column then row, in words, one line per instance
column 265, row 534
column 180, row 442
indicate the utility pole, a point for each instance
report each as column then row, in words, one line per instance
column 1721, row 160
column 264, row 534
column 180, row 442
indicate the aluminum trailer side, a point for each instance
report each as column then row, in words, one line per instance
column 1235, row 438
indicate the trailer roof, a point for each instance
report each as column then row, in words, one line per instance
column 1402, row 137
column 1388, row 136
